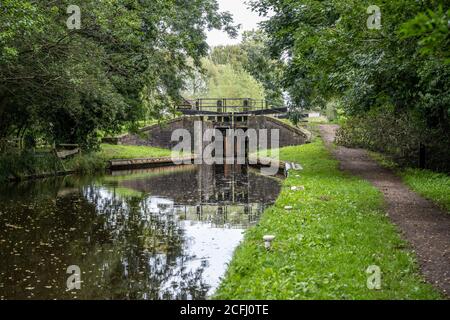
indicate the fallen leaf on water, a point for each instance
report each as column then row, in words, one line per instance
column 13, row 226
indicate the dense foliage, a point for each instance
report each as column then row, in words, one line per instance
column 251, row 63
column 225, row 81
column 401, row 68
column 127, row 61
column 222, row 80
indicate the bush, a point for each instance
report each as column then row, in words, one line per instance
column 399, row 136
column 87, row 164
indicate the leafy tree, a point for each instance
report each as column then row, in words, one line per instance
column 432, row 30
column 253, row 56
column 230, row 54
column 225, row 81
column 262, row 67
column 331, row 54
column 128, row 60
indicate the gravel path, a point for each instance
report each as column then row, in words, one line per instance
column 424, row 225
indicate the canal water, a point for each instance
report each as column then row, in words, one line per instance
column 162, row 233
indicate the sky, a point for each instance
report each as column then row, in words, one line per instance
column 242, row 15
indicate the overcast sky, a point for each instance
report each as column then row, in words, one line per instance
column 242, row 15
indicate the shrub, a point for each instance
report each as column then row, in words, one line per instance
column 399, row 136
column 87, row 164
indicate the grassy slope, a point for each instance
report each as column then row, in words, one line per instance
column 431, row 185
column 109, row 151
column 324, row 245
column 94, row 162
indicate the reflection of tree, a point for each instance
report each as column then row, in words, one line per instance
column 128, row 246
column 124, row 251
column 150, row 261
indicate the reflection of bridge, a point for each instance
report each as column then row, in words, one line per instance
column 229, row 106
column 231, row 194
column 203, row 184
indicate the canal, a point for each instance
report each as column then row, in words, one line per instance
column 161, row 233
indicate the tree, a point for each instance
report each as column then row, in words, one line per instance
column 129, row 59
column 224, row 81
column 252, row 55
column 330, row 53
column 262, row 67
column 233, row 55
column 431, row 28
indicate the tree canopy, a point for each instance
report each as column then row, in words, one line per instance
column 128, row 60
column 224, row 81
column 252, row 55
column 332, row 52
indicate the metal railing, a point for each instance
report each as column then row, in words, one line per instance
column 226, row 105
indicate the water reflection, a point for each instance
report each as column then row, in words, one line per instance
column 163, row 233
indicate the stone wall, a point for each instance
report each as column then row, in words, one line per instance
column 160, row 135
column 288, row 134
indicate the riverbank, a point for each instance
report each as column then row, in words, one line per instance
column 329, row 230
column 98, row 161
column 27, row 165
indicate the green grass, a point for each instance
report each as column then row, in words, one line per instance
column 319, row 120
column 324, row 245
column 429, row 184
column 96, row 162
column 109, row 152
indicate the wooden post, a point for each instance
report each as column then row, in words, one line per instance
column 422, row 156
column 246, row 105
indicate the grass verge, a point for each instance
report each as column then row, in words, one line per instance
column 335, row 230
column 431, row 185
column 109, row 152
